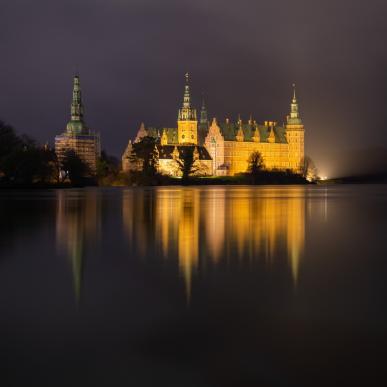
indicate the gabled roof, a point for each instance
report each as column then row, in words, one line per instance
column 165, row 151
column 171, row 133
column 229, row 131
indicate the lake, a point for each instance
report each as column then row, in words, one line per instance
column 194, row 286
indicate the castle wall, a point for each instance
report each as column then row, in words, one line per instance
column 237, row 153
column 295, row 137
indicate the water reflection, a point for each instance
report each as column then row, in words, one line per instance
column 77, row 226
column 201, row 226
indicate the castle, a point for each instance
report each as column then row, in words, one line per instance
column 224, row 148
column 77, row 136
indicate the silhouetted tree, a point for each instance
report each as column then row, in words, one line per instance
column 187, row 163
column 255, row 163
column 309, row 170
column 22, row 161
column 107, row 165
column 145, row 154
column 74, row 167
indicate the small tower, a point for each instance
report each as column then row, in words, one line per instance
column 271, row 138
column 240, row 135
column 203, row 124
column 175, row 153
column 164, row 138
column 187, row 124
column 78, row 137
column 295, row 134
column 256, row 135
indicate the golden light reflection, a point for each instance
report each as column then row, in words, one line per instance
column 219, row 225
column 77, row 222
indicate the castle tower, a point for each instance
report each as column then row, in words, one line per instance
column 187, row 124
column 76, row 125
column 295, row 133
column 77, row 136
column 203, row 124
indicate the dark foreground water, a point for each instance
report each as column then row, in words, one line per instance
column 212, row 286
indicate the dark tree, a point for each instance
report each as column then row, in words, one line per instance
column 22, row 161
column 74, row 167
column 309, row 170
column 187, row 162
column 107, row 165
column 145, row 155
column 9, row 143
column 255, row 163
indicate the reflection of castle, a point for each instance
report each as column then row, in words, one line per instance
column 224, row 149
column 77, row 223
column 218, row 226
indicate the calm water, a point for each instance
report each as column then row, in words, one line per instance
column 212, row 286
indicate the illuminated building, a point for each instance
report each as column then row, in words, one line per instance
column 173, row 142
column 78, row 137
column 231, row 144
column 224, row 148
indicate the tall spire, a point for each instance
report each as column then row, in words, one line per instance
column 187, row 97
column 294, row 93
column 294, row 117
column 76, row 104
column 203, row 113
column 186, row 113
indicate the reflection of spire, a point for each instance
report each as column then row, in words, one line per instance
column 188, row 240
column 240, row 223
column 77, row 223
column 215, row 223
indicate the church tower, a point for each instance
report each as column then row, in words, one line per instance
column 76, row 125
column 78, row 137
column 187, row 124
column 295, row 135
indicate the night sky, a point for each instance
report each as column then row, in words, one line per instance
column 243, row 55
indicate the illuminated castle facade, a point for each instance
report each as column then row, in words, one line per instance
column 77, row 136
column 224, row 148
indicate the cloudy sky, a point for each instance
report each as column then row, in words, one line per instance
column 243, row 55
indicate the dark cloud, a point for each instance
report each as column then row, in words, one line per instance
column 244, row 55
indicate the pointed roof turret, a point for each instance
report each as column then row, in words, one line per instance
column 256, row 135
column 142, row 132
column 294, row 117
column 187, row 113
column 203, row 113
column 240, row 135
column 76, row 124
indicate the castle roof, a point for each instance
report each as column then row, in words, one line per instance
column 165, row 151
column 229, row 131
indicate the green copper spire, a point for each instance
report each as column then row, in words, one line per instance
column 203, row 114
column 294, row 117
column 76, row 105
column 76, row 124
column 186, row 113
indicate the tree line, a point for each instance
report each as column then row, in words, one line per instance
column 24, row 162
